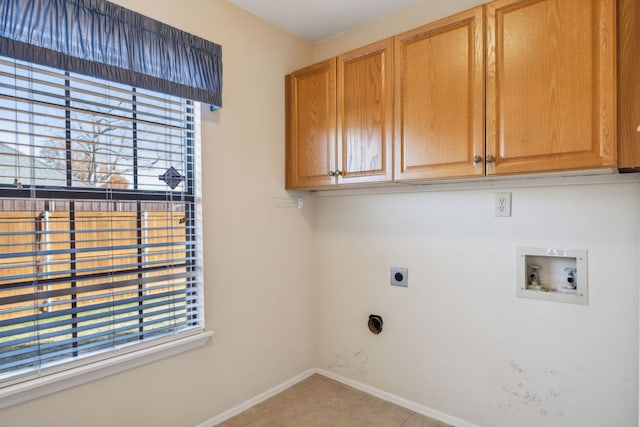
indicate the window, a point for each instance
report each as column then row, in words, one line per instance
column 99, row 212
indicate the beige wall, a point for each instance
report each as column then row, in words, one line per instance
column 422, row 12
column 257, row 256
column 458, row 340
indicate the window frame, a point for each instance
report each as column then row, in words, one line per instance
column 93, row 370
column 61, row 376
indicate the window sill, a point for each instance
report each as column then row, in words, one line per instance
column 31, row 389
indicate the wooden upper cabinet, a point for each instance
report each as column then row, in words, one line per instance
column 339, row 120
column 365, row 114
column 311, row 126
column 628, row 83
column 439, row 99
column 550, row 85
column 514, row 86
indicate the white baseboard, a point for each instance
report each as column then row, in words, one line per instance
column 408, row 404
column 255, row 400
column 392, row 398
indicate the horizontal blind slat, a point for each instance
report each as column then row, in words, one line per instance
column 144, row 273
column 45, row 320
column 43, row 343
column 92, row 288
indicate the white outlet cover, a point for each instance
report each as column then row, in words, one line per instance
column 502, row 206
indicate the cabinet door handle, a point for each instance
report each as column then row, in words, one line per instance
column 332, row 173
column 338, row 172
column 490, row 159
column 477, row 159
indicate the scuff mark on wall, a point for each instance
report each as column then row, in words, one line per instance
column 360, row 363
column 513, row 393
column 524, row 394
column 515, row 367
column 337, row 362
column 355, row 365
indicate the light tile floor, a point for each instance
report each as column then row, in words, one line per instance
column 321, row 402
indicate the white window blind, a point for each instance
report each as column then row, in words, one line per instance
column 98, row 219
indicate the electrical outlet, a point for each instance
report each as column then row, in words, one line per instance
column 502, row 205
column 399, row 276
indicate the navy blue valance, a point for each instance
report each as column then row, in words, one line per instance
column 104, row 40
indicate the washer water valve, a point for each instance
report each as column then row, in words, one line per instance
column 533, row 277
column 571, row 278
column 552, row 274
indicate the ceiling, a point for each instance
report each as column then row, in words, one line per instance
column 316, row 20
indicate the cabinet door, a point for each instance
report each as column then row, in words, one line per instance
column 628, row 83
column 311, row 126
column 550, row 85
column 365, row 113
column 440, row 99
